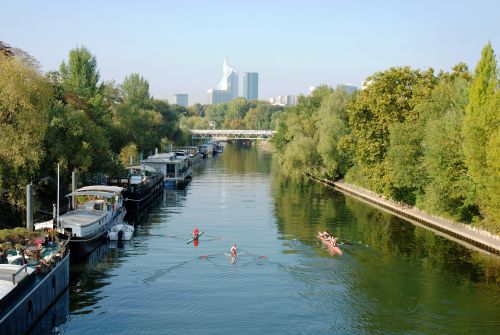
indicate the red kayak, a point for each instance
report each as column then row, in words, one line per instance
column 332, row 249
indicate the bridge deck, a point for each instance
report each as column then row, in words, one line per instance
column 233, row 134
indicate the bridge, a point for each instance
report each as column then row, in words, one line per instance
column 228, row 135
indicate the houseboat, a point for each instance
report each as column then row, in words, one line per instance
column 98, row 208
column 206, row 149
column 28, row 290
column 142, row 184
column 175, row 168
column 193, row 153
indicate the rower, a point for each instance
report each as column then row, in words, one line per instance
column 233, row 250
column 195, row 233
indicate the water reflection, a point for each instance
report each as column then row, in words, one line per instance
column 55, row 318
column 394, row 276
column 88, row 277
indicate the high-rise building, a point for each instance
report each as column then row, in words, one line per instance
column 251, row 85
column 181, row 100
column 284, row 100
column 227, row 89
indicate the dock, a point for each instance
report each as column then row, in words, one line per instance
column 466, row 235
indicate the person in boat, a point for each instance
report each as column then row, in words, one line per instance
column 326, row 235
column 196, row 233
column 233, row 250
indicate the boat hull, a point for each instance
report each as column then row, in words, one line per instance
column 136, row 202
column 332, row 250
column 36, row 300
column 81, row 247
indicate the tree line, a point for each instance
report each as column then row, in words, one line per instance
column 239, row 113
column 427, row 139
column 73, row 118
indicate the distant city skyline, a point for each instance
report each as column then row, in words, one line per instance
column 293, row 45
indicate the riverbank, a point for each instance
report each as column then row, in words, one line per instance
column 468, row 236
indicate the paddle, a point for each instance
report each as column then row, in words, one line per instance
column 191, row 240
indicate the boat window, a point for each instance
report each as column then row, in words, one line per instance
column 170, row 168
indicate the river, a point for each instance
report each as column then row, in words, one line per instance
column 393, row 277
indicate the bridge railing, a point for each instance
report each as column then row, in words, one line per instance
column 228, row 134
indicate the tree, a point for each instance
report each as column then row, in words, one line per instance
column 80, row 75
column 135, row 90
column 129, row 152
column 480, row 132
column 24, row 104
column 332, row 131
column 390, row 98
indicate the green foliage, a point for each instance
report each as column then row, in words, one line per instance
column 480, row 132
column 448, row 190
column 129, row 152
column 333, row 129
column 242, row 114
column 80, row 75
column 24, row 103
column 297, row 137
column 135, row 91
column 390, row 98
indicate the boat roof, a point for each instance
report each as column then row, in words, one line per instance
column 6, row 272
column 103, row 188
column 81, row 217
column 93, row 193
column 142, row 167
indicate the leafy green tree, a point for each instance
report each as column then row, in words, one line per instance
column 297, row 137
column 170, row 118
column 129, row 151
column 24, row 104
column 480, row 132
column 390, row 98
column 135, row 90
column 80, row 75
column 76, row 142
column 333, row 128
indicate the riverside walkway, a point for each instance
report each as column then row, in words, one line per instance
column 461, row 233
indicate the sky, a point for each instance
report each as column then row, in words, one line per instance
column 180, row 46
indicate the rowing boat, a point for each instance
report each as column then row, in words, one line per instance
column 333, row 249
column 195, row 238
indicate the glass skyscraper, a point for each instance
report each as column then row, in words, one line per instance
column 251, row 85
column 227, row 89
column 181, row 99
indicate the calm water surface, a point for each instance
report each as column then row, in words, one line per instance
column 393, row 278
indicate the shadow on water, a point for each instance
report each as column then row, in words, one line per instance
column 54, row 319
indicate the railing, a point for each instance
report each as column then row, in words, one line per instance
column 233, row 134
column 24, row 267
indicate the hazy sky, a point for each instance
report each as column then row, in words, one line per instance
column 179, row 46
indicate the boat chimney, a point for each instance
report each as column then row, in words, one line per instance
column 73, row 189
column 29, row 207
column 54, row 213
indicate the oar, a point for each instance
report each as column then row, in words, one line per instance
column 191, row 240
